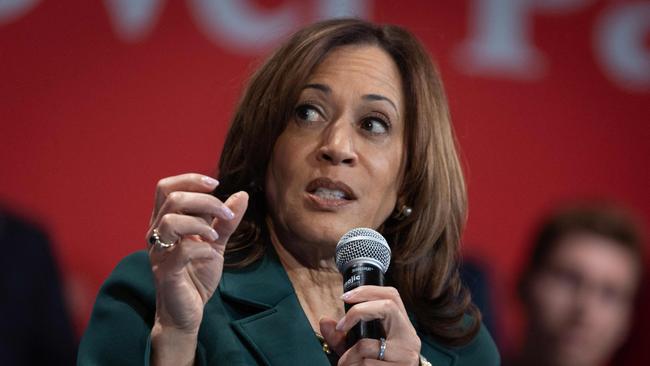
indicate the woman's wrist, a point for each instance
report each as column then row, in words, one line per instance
column 171, row 346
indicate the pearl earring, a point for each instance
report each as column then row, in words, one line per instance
column 403, row 212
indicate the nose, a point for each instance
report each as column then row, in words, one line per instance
column 337, row 146
column 586, row 305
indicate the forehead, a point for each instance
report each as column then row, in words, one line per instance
column 596, row 258
column 363, row 68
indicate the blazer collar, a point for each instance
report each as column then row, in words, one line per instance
column 277, row 330
column 262, row 284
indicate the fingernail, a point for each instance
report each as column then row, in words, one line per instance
column 339, row 325
column 209, row 181
column 226, row 211
column 213, row 234
column 346, row 295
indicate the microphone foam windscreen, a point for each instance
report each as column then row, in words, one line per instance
column 362, row 244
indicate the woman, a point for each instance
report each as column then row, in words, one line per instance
column 346, row 125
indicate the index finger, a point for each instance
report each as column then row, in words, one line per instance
column 189, row 182
column 370, row 293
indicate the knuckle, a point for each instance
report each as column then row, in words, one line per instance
column 393, row 293
column 175, row 197
column 163, row 185
column 366, row 345
column 388, row 306
column 353, row 311
column 418, row 346
column 166, row 222
column 162, row 182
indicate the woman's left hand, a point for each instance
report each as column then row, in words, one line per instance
column 374, row 302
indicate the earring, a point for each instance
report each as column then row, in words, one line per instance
column 403, row 212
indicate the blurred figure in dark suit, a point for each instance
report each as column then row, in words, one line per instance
column 34, row 324
column 579, row 286
column 476, row 275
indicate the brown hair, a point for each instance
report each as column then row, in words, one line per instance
column 425, row 245
column 597, row 218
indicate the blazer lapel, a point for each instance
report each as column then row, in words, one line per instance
column 277, row 331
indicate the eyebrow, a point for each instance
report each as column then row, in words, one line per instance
column 370, row 97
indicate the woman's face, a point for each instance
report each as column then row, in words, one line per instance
column 338, row 163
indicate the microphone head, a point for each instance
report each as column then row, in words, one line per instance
column 362, row 244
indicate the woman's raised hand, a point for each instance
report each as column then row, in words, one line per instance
column 402, row 344
column 187, row 274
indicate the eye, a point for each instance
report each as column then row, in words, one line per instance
column 614, row 296
column 375, row 125
column 308, row 113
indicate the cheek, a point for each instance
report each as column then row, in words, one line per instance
column 386, row 166
column 385, row 189
column 551, row 302
column 613, row 317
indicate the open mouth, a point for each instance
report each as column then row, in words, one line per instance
column 328, row 189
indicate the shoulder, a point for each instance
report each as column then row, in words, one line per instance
column 132, row 274
column 134, row 262
column 130, row 284
column 480, row 351
column 120, row 324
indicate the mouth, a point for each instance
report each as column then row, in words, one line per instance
column 329, row 190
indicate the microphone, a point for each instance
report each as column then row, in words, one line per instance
column 362, row 256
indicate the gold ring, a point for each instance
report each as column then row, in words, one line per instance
column 154, row 240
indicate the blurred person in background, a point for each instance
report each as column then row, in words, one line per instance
column 579, row 286
column 35, row 327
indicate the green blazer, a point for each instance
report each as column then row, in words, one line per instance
column 253, row 318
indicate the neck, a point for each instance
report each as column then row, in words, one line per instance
column 318, row 285
column 311, row 254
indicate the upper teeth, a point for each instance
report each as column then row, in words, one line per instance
column 329, row 193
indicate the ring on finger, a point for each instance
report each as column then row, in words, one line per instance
column 156, row 242
column 382, row 349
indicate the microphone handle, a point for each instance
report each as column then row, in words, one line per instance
column 359, row 274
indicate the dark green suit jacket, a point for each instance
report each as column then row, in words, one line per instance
column 253, row 318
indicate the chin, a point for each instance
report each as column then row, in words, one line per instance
column 325, row 230
column 574, row 356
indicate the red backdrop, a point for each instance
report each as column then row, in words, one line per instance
column 99, row 100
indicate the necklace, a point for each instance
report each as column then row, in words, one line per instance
column 332, row 357
column 326, row 347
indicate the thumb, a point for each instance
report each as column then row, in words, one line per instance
column 237, row 203
column 334, row 338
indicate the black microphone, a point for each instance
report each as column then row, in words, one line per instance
column 362, row 256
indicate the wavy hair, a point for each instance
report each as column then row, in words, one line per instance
column 425, row 245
